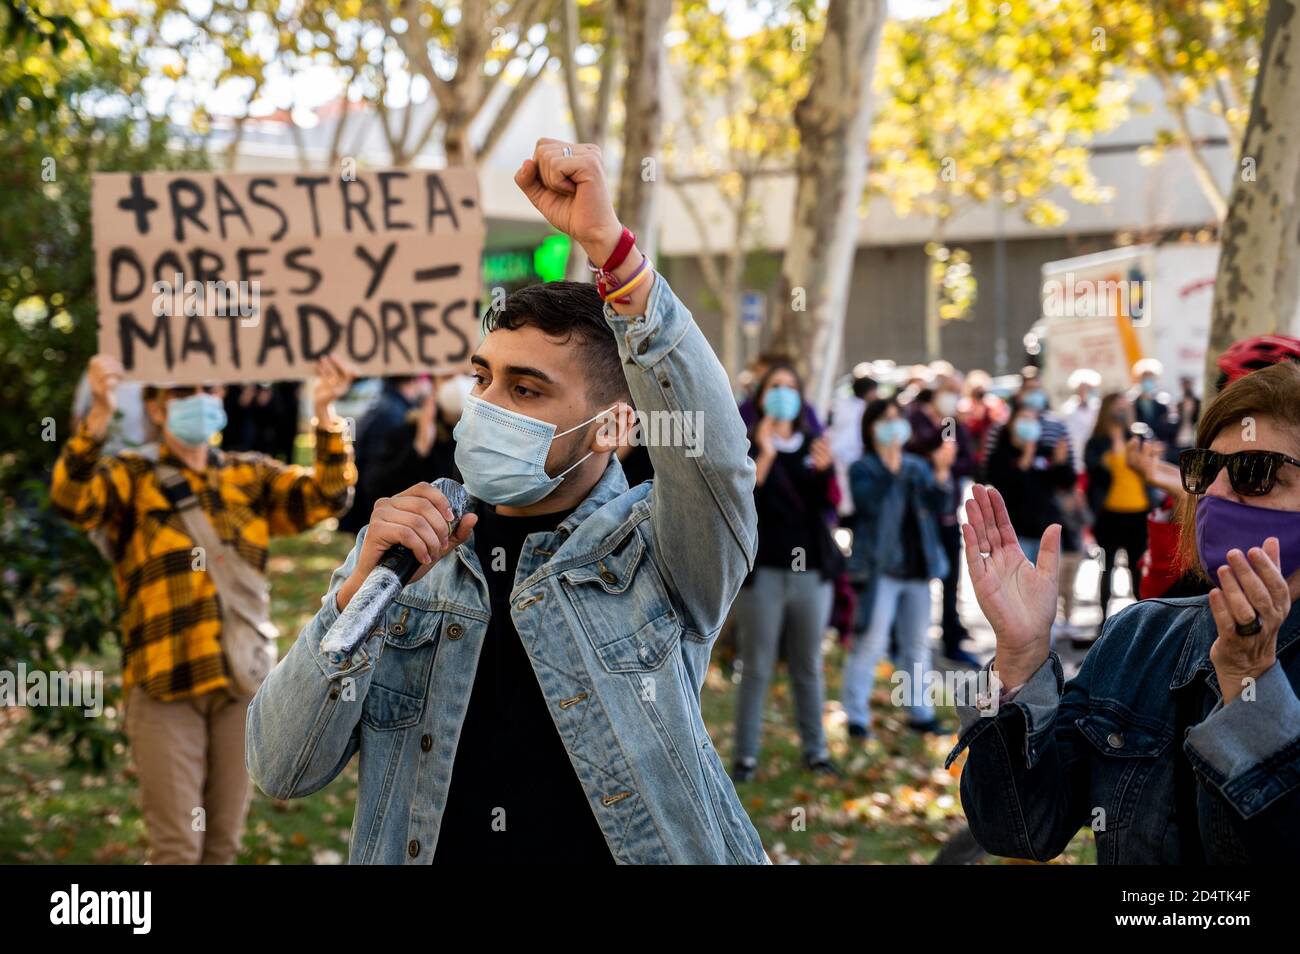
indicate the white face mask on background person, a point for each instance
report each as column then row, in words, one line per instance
column 196, row 419
column 945, row 402
column 501, row 454
column 451, row 396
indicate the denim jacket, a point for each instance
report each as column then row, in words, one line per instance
column 618, row 610
column 880, row 500
column 1101, row 751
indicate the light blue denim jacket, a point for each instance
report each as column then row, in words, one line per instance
column 618, row 610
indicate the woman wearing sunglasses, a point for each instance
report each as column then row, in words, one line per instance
column 1178, row 742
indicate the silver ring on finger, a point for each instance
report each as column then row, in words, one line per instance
column 567, row 151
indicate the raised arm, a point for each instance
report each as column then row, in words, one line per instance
column 1023, row 788
column 91, row 490
column 702, row 498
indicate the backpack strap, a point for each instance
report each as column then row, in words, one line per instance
column 240, row 584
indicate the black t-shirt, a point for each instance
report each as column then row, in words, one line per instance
column 514, row 796
column 789, row 504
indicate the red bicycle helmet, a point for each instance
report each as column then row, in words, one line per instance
column 1251, row 354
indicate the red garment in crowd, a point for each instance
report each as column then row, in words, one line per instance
column 1161, row 567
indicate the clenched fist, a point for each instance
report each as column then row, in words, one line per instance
column 570, row 192
column 419, row 519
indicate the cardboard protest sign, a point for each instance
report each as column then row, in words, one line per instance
column 248, row 277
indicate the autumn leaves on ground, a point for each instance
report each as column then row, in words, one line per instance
column 895, row 804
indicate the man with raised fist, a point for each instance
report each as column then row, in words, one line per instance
column 533, row 695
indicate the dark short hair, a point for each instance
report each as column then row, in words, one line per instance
column 864, row 385
column 566, row 310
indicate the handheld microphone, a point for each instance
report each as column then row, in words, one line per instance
column 394, row 570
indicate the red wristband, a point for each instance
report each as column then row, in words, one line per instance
column 625, row 243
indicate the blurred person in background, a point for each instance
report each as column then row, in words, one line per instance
column 404, row 438
column 979, row 411
column 750, row 411
column 844, row 431
column 1118, row 494
column 789, row 592
column 1152, row 407
column 933, row 419
column 262, row 417
column 1079, row 412
column 897, row 551
column 1032, row 396
column 1188, row 413
column 1030, row 463
column 184, row 706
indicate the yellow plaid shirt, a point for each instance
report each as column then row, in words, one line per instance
column 171, row 625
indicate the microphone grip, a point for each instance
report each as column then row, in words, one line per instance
column 401, row 561
column 382, row 585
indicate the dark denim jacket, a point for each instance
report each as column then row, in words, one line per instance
column 880, row 500
column 1101, row 751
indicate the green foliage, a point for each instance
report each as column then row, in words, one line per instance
column 992, row 102
column 79, row 112
column 57, row 607
column 31, row 32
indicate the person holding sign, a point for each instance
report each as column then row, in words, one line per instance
column 534, row 693
column 186, row 528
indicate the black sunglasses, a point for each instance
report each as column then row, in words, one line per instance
column 1251, row 473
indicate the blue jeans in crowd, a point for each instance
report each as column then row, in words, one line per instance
column 909, row 602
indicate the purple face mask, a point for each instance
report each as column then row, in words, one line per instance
column 1223, row 525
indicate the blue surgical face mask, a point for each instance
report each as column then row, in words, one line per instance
column 1028, row 430
column 502, row 454
column 896, row 431
column 195, row 419
column 1036, row 399
column 1149, row 385
column 782, row 403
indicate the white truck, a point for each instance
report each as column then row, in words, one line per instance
column 1108, row 310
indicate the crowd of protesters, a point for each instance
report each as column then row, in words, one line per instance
column 892, row 465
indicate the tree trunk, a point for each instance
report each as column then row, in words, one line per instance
column 466, row 86
column 1258, row 287
column 833, row 119
column 644, row 22
column 933, row 323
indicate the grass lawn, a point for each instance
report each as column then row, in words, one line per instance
column 895, row 804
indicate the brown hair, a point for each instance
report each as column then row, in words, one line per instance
column 1105, row 413
column 1270, row 392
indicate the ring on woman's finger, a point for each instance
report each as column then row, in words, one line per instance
column 1250, row 629
column 567, row 151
